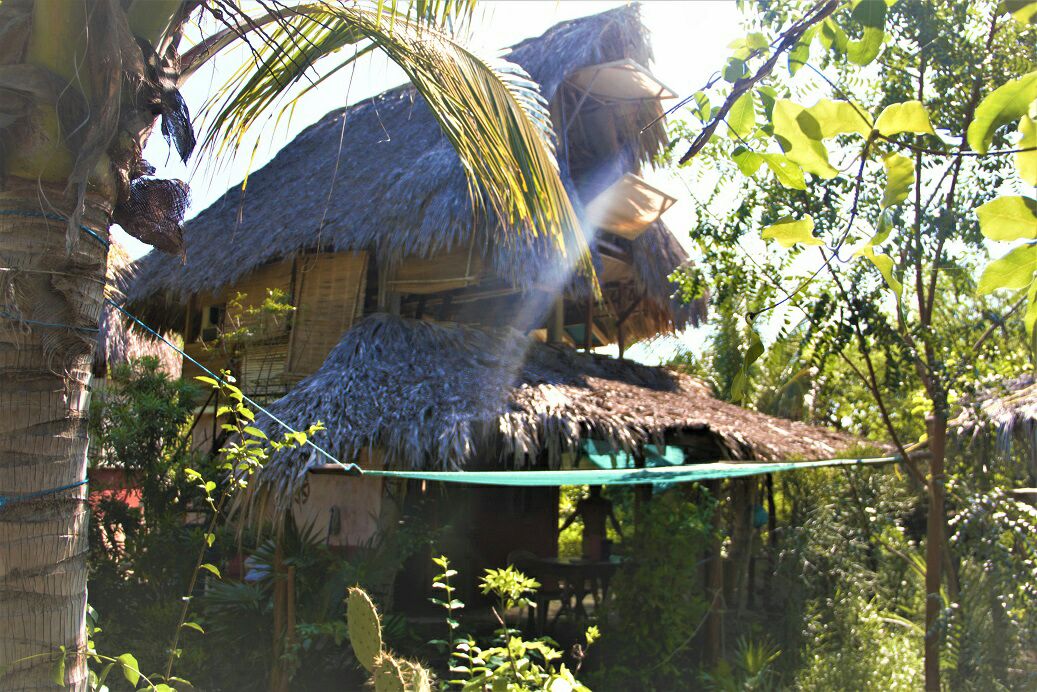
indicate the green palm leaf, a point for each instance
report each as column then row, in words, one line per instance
column 490, row 110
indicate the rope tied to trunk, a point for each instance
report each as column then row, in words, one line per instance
column 350, row 468
column 6, row 500
column 28, row 214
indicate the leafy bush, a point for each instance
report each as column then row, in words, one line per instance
column 855, row 645
column 657, row 603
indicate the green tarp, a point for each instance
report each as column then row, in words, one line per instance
column 685, row 473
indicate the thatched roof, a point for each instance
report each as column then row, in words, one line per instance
column 398, row 187
column 1004, row 414
column 117, row 341
column 427, row 395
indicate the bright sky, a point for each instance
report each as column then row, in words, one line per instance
column 689, row 38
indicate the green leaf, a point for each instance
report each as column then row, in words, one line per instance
column 1008, row 218
column 1026, row 161
column 840, row 117
column 1013, row 271
column 740, row 383
column 130, row 668
column 872, row 15
column 255, row 432
column 768, row 95
column 742, row 116
column 756, row 41
column 207, row 380
column 210, row 538
column 884, row 263
column 58, row 675
column 1023, row 11
column 703, row 108
column 194, row 626
column 900, row 177
column 789, row 232
column 211, row 568
column 909, row 116
column 800, row 136
column 1003, row 105
column 833, row 37
column 788, row 174
column 1030, row 319
column 734, row 70
column 748, row 161
column 800, row 53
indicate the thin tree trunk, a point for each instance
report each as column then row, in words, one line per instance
column 934, row 551
column 50, row 303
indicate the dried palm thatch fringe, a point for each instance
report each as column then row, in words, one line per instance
column 400, row 190
column 429, row 396
column 1004, row 417
column 118, row 342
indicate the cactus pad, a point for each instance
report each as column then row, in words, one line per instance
column 418, row 679
column 388, row 674
column 365, row 628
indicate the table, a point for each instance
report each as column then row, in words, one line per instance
column 576, row 578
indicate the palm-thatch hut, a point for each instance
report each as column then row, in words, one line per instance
column 368, row 210
column 410, row 394
column 998, row 428
column 424, row 338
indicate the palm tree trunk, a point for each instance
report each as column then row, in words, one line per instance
column 50, row 301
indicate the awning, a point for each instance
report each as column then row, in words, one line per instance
column 628, row 207
column 621, row 80
column 601, row 455
column 685, row 473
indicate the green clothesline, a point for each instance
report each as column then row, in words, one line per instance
column 663, row 474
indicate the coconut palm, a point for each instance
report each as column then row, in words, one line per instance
column 82, row 85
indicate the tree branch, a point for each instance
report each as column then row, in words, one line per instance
column 788, row 41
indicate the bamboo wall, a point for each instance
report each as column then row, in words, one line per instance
column 327, row 293
column 328, row 299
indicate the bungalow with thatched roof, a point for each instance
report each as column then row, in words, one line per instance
column 998, row 427
column 422, row 339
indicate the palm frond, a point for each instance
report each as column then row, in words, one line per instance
column 490, row 110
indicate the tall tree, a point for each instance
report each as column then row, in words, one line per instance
column 83, row 83
column 924, row 99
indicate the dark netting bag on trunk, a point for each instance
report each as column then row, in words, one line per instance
column 154, row 213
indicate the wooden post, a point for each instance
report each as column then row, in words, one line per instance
column 772, row 540
column 289, row 620
column 277, row 682
column 556, row 321
column 714, row 584
column 937, row 424
column 588, row 325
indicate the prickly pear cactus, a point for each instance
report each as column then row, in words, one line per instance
column 388, row 674
column 418, row 679
column 365, row 628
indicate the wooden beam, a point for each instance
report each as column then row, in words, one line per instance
column 588, row 324
column 556, row 322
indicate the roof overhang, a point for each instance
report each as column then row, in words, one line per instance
column 628, row 207
column 620, row 80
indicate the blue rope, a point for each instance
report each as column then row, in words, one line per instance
column 53, row 217
column 47, row 325
column 350, row 468
column 14, row 499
